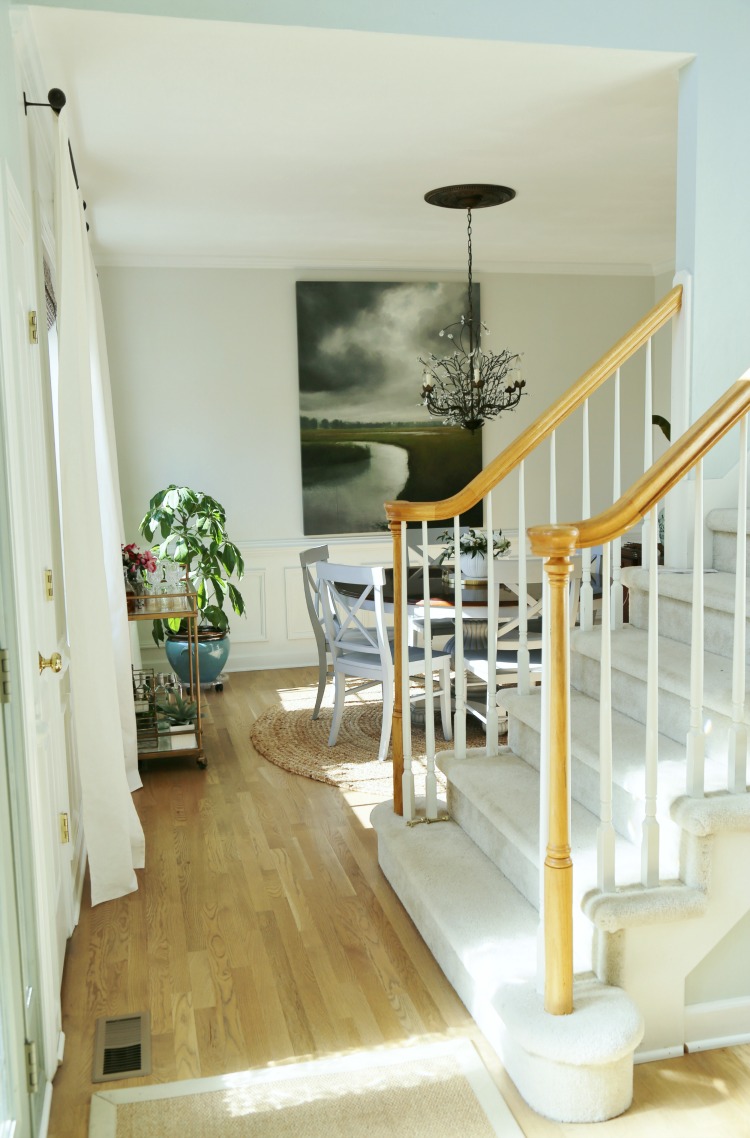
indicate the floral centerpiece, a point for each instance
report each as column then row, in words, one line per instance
column 472, row 549
column 136, row 564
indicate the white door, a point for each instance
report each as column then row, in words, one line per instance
column 20, row 1110
column 39, row 612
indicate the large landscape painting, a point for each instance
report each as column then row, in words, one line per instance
column 366, row 439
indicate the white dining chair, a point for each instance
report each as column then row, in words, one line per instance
column 308, row 560
column 508, row 631
column 354, row 618
column 415, row 548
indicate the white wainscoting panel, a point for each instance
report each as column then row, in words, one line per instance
column 275, row 632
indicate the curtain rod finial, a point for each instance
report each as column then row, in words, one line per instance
column 57, row 99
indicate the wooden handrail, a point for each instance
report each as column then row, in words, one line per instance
column 547, row 422
column 658, row 480
column 558, row 543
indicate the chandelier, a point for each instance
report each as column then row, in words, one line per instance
column 469, row 385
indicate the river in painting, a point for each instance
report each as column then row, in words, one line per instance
column 348, row 498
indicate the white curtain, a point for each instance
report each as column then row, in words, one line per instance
column 92, row 535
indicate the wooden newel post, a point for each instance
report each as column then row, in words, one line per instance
column 557, row 544
column 397, row 732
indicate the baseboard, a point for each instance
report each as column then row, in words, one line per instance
column 79, row 880
column 715, row 1044
column 658, row 1053
column 247, row 658
column 46, row 1109
column 720, row 1023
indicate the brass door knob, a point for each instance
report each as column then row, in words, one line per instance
column 54, row 662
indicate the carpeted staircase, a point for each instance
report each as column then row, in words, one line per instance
column 471, row 884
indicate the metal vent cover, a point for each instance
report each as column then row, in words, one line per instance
column 122, row 1047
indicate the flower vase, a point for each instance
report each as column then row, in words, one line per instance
column 474, row 565
column 131, row 596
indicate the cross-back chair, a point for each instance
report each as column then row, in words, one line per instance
column 509, row 633
column 354, row 618
column 308, row 560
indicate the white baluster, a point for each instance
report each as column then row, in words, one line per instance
column 650, row 841
column 587, row 592
column 738, row 732
column 429, row 697
column 491, row 727
column 459, row 722
column 618, row 595
column 696, row 740
column 407, row 778
column 553, row 479
column 648, row 458
column 524, row 673
column 606, row 833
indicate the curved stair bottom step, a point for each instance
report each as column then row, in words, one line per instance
column 573, row 1068
column 483, row 934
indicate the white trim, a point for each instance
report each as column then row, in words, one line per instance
column 720, row 1023
column 46, row 1108
column 506, row 268
column 657, row 1054
column 719, row 1041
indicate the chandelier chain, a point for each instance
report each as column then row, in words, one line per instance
column 469, row 385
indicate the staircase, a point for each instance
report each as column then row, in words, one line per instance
column 659, row 968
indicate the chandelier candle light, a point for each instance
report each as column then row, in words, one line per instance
column 470, row 385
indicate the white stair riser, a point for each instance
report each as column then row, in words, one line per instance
column 676, row 616
column 502, row 851
column 725, row 552
column 627, row 811
column 629, row 697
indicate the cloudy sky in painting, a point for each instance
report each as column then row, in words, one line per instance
column 359, row 345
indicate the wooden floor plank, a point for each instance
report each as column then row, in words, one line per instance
column 263, row 930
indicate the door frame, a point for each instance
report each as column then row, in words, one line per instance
column 22, row 635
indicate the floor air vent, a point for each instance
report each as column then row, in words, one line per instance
column 122, row 1047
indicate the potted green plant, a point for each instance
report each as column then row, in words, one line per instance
column 473, row 550
column 192, row 528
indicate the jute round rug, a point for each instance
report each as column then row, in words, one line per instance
column 289, row 738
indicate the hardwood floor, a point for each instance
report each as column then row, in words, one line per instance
column 263, row 931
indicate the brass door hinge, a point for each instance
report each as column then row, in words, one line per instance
column 48, row 590
column 64, row 829
column 4, row 676
column 33, row 329
column 32, row 1069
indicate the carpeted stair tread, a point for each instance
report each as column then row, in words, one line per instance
column 476, row 924
column 628, row 742
column 495, row 800
column 628, row 749
column 630, row 653
column 718, row 588
column 724, row 520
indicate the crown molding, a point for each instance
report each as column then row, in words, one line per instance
column 302, row 266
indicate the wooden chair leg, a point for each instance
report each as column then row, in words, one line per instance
column 445, row 702
column 322, row 680
column 338, row 707
column 385, row 732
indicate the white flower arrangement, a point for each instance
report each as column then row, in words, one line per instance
column 473, row 543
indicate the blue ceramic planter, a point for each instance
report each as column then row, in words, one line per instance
column 212, row 656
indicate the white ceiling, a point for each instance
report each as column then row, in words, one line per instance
column 214, row 142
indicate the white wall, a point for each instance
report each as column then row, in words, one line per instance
column 205, row 392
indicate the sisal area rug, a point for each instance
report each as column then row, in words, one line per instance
column 288, row 737
column 437, row 1089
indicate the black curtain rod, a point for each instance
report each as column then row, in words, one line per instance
column 57, row 101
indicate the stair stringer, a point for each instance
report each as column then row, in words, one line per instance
column 647, row 941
